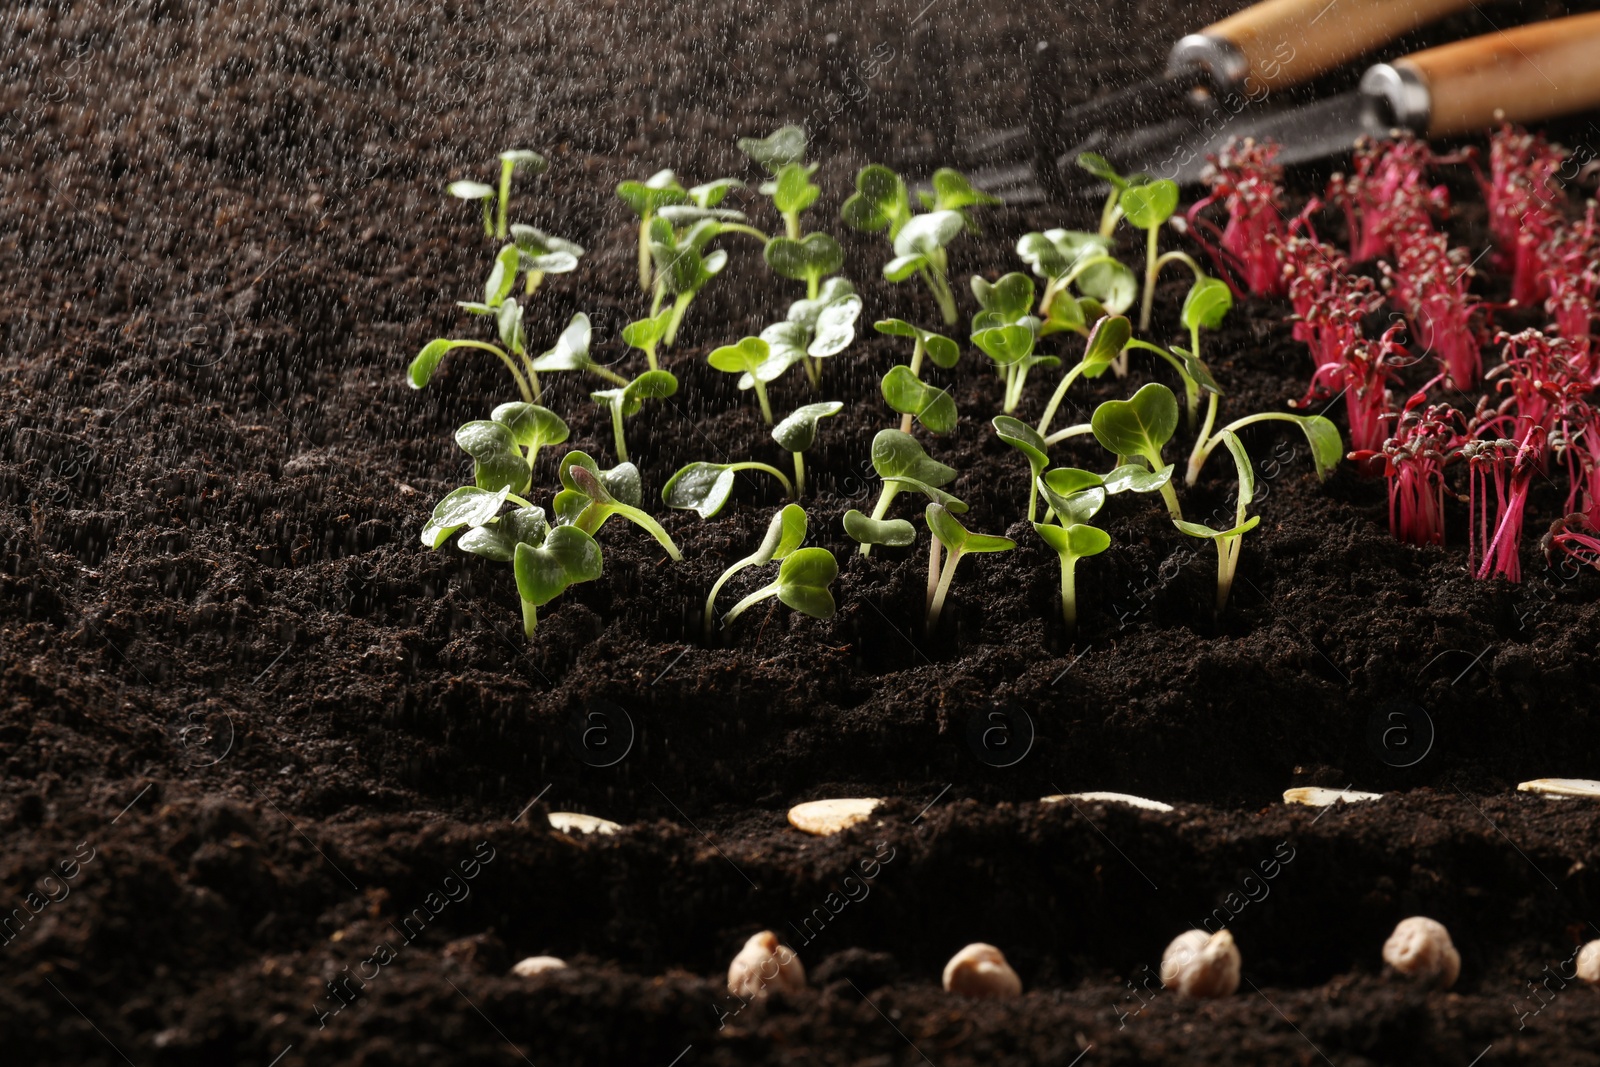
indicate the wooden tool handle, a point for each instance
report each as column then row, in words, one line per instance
column 1521, row 75
column 1286, row 42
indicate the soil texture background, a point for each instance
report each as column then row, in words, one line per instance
column 267, row 731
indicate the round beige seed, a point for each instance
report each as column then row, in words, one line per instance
column 824, row 817
column 1198, row 964
column 981, row 971
column 538, row 965
column 1421, row 948
column 572, row 822
column 764, row 965
column 1589, row 963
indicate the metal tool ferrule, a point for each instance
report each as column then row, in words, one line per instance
column 1395, row 96
column 1220, row 60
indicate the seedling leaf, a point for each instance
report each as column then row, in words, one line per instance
column 1139, row 426
column 784, row 146
column 467, row 506
column 803, row 581
column 498, row 540
column 1208, row 301
column 879, row 202
column 798, row 430
column 895, row 533
column 925, row 234
column 1149, row 204
column 909, row 395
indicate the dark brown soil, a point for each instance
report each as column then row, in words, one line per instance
column 266, row 725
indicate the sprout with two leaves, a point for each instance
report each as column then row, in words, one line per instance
column 1007, row 332
column 813, row 331
column 785, row 534
column 881, row 204
column 959, row 542
column 1075, row 497
column 683, row 267
column 497, row 444
column 532, row 253
column 802, row 584
column 546, row 561
column 798, row 432
column 469, row 190
column 1111, row 334
column 902, row 464
column 661, row 194
column 783, row 154
column 627, row 400
column 1068, row 258
column 508, row 322
column 903, row 388
column 590, row 496
column 1139, row 427
column 705, row 487
column 1327, row 447
column 1229, row 542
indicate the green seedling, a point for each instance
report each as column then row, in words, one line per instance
column 1022, row 437
column 1101, row 168
column 539, row 253
column 1148, row 205
column 813, row 331
column 509, row 162
column 944, row 352
column 466, row 508
column 802, row 584
column 1068, row 258
column 904, row 392
column 809, row 260
column 919, row 251
column 646, row 198
column 750, row 358
column 497, row 461
column 1208, row 302
column 798, row 432
column 567, row 556
column 626, row 400
column 895, row 533
column 590, row 496
column 1140, row 426
column 959, row 542
column 470, row 190
column 705, row 487
column 782, row 153
column 1229, row 542
column 1109, row 337
column 571, row 353
column 902, row 464
column 998, row 330
column 531, row 426
column 1327, row 447
column 683, row 267
column 646, row 335
column 1075, row 497
column 508, row 321
column 1011, row 348
column 879, row 203
column 785, row 534
column 953, row 192
column 546, row 560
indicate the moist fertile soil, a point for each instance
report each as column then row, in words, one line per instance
column 257, row 739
